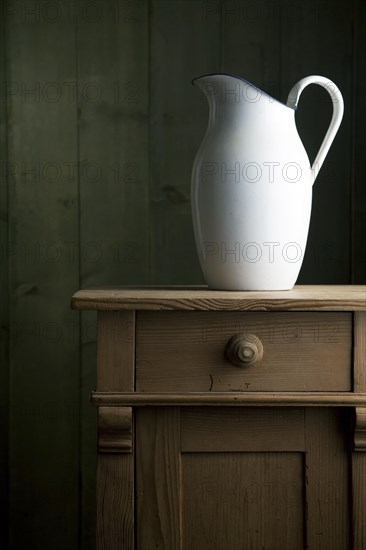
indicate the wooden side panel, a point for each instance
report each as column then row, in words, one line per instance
column 359, row 457
column 115, row 493
column 250, row 429
column 88, row 429
column 158, row 471
column 328, row 494
column 43, row 270
column 116, row 350
column 185, row 351
column 185, row 43
column 115, row 475
column 233, row 501
column 359, row 500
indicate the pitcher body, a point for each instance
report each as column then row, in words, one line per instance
column 251, row 191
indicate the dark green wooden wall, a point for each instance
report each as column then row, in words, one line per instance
column 99, row 128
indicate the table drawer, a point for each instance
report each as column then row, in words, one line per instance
column 186, row 351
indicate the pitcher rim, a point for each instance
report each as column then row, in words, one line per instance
column 247, row 82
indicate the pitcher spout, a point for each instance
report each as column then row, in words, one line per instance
column 229, row 89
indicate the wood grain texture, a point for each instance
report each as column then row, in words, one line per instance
column 359, row 500
column 245, row 29
column 359, row 456
column 360, row 429
column 116, row 351
column 244, row 349
column 4, row 309
column 183, row 45
column 328, row 494
column 43, row 228
column 88, row 429
column 186, row 351
column 359, row 352
column 301, row 298
column 158, row 471
column 115, row 492
column 258, row 399
column 114, row 429
column 236, row 501
column 115, row 473
column 250, row 429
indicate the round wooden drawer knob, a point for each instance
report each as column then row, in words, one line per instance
column 244, row 349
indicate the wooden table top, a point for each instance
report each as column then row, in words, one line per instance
column 200, row 298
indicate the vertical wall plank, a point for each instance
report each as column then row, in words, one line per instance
column 317, row 39
column 4, row 313
column 358, row 146
column 112, row 50
column 43, row 225
column 185, row 43
column 113, row 142
column 115, row 477
column 251, row 35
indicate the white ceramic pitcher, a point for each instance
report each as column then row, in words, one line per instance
column 252, row 184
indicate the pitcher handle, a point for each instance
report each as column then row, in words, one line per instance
column 338, row 108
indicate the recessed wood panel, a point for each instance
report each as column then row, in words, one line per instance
column 328, row 470
column 303, row 351
column 243, row 429
column 237, row 501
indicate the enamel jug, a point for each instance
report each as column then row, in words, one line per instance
column 251, row 191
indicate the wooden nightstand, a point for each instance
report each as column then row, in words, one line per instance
column 230, row 420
